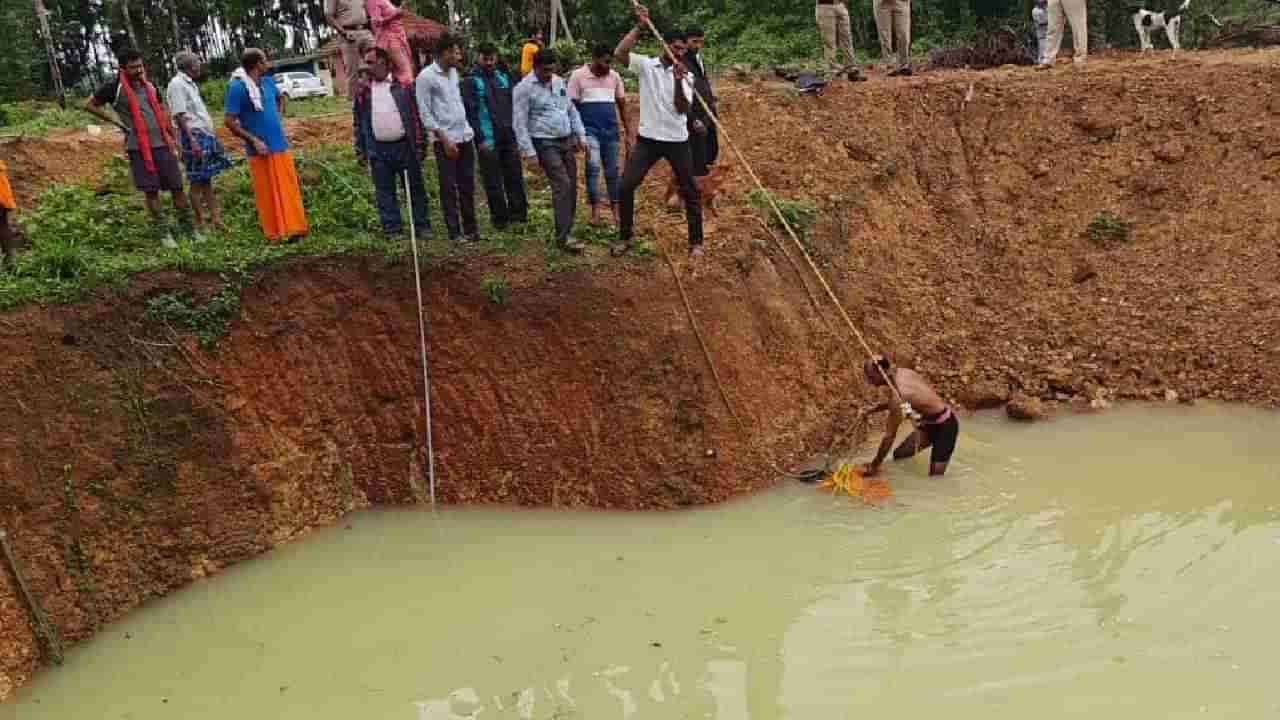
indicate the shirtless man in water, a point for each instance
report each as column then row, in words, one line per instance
column 939, row 427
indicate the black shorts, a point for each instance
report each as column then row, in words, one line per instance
column 943, row 438
column 168, row 174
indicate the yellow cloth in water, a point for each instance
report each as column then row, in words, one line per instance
column 848, row 479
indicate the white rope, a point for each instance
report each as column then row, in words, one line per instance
column 422, row 339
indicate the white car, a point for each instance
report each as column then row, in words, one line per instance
column 298, row 85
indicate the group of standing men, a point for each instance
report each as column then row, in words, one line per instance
column 543, row 120
column 159, row 135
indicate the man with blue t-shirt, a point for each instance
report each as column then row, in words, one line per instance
column 596, row 88
column 252, row 113
column 486, row 92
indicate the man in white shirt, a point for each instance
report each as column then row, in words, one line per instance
column 389, row 139
column 444, row 117
column 202, row 153
column 666, row 96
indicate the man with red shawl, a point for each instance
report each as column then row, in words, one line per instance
column 148, row 134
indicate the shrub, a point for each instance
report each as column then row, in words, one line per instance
column 1108, row 229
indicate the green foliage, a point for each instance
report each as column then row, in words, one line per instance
column 571, row 54
column 209, row 321
column 214, row 92
column 21, row 60
column 80, row 239
column 1108, row 229
column 799, row 214
column 312, row 107
column 495, row 288
column 36, row 117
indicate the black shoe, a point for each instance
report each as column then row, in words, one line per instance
column 500, row 226
column 472, row 238
column 903, row 71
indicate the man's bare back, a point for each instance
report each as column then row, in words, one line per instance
column 917, row 391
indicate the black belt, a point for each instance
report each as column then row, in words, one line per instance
column 349, row 28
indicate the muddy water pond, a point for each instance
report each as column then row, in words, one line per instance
column 1124, row 565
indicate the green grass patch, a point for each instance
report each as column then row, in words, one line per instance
column 209, row 321
column 800, row 214
column 1108, row 229
column 38, row 117
column 495, row 288
column 86, row 237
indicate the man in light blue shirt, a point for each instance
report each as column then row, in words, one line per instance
column 549, row 128
column 444, row 117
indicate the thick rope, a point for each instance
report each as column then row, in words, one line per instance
column 715, row 119
column 422, row 339
column 715, row 373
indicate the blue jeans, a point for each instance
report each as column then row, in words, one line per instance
column 389, row 162
column 603, row 151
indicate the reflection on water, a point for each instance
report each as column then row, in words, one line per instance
column 1125, row 565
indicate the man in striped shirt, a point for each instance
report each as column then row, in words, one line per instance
column 596, row 88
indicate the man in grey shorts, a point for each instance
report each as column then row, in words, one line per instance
column 149, row 138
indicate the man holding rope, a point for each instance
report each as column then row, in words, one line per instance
column 666, row 97
column 938, row 426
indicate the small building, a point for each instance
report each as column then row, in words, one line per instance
column 422, row 33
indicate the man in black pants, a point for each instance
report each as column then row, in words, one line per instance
column 487, row 94
column 704, row 142
column 938, row 426
column 444, row 116
column 665, row 100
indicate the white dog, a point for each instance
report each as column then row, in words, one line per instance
column 1145, row 21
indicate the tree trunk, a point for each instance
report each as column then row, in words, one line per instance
column 173, row 17
column 128, row 25
column 55, row 73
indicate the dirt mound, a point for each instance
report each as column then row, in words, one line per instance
column 960, row 214
column 35, row 163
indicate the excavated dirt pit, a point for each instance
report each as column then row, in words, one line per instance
column 967, row 221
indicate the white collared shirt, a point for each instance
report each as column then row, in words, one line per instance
column 440, row 104
column 183, row 98
column 387, row 123
column 658, row 117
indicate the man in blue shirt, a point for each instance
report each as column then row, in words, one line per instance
column 487, row 94
column 252, row 107
column 549, row 128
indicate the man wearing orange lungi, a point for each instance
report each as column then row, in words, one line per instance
column 7, row 203
column 253, row 114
